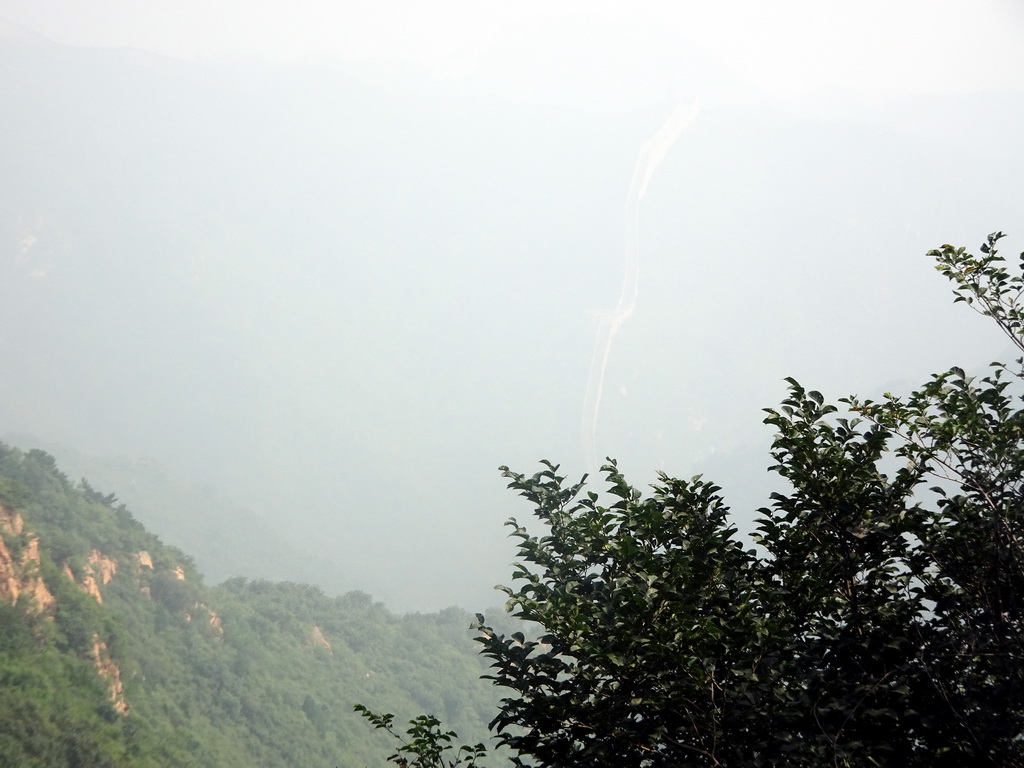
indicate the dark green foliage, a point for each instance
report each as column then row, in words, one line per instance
column 13, row 495
column 880, row 621
column 244, row 674
column 425, row 744
column 648, row 607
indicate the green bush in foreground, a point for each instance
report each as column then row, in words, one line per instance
column 879, row 622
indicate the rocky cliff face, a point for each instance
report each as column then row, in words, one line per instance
column 21, row 581
column 19, row 564
column 110, row 672
column 317, row 639
column 99, row 570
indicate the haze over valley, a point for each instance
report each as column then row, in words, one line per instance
column 320, row 298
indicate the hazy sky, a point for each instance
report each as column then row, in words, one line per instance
column 874, row 47
column 339, row 261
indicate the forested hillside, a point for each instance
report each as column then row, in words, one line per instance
column 113, row 652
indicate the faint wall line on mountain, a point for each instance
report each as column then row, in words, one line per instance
column 651, row 155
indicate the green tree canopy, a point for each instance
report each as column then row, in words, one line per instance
column 877, row 622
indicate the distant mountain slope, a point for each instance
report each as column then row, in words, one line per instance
column 113, row 652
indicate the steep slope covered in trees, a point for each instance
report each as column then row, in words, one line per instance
column 113, row 652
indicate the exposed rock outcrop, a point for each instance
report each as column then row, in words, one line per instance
column 36, row 588
column 10, row 586
column 316, row 638
column 99, row 569
column 102, row 566
column 19, row 574
column 20, row 578
column 216, row 624
column 143, row 560
column 212, row 619
column 109, row 671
